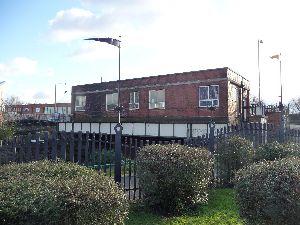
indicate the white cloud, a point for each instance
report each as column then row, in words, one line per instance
column 91, row 51
column 40, row 95
column 19, row 66
column 75, row 23
column 160, row 37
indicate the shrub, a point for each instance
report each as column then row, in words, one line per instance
column 6, row 131
column 62, row 193
column 231, row 155
column 174, row 178
column 274, row 150
column 269, row 192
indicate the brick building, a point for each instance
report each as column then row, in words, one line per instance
column 39, row 111
column 188, row 97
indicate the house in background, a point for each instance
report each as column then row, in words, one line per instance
column 39, row 112
column 189, row 97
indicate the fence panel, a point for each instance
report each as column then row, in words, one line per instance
column 97, row 150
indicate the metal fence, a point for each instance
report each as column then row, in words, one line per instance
column 92, row 150
column 97, row 151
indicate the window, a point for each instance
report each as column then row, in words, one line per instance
column 209, row 96
column 134, row 101
column 111, row 101
column 80, row 102
column 157, row 99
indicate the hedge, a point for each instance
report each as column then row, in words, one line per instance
column 174, row 178
column 46, row 192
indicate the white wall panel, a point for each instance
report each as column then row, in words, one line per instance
column 166, row 130
column 86, row 127
column 152, row 129
column 139, row 129
column 180, row 130
column 77, row 127
column 128, row 128
column 95, row 127
column 68, row 127
column 105, row 128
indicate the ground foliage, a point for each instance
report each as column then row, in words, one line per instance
column 275, row 150
column 268, row 192
column 174, row 178
column 232, row 154
column 46, row 192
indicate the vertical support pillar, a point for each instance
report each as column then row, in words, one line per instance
column 281, row 127
column 118, row 144
column 211, row 142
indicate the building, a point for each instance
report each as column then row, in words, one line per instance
column 39, row 111
column 189, row 97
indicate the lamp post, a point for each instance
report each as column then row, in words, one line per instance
column 116, row 43
column 281, row 107
column 258, row 44
column 118, row 128
column 55, row 108
column 278, row 57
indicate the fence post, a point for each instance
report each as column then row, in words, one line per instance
column 281, row 126
column 118, row 129
column 211, row 142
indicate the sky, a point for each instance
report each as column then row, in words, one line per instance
column 42, row 46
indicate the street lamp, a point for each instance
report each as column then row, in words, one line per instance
column 281, row 107
column 258, row 44
column 278, row 57
column 116, row 43
column 55, row 108
column 118, row 128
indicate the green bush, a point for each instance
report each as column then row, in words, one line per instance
column 274, row 150
column 62, row 193
column 6, row 131
column 174, row 178
column 269, row 192
column 232, row 154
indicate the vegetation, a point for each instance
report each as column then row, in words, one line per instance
column 232, row 154
column 268, row 192
column 221, row 209
column 174, row 178
column 294, row 105
column 47, row 192
column 6, row 131
column 274, row 150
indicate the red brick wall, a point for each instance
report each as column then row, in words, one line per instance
column 274, row 118
column 181, row 98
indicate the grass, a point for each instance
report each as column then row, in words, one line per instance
column 220, row 210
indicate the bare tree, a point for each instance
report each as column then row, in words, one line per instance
column 7, row 104
column 294, row 106
column 12, row 100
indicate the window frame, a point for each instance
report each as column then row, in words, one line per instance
column 209, row 98
column 157, row 103
column 112, row 99
column 136, row 98
column 80, row 105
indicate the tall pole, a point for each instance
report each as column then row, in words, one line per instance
column 258, row 43
column 119, row 81
column 280, row 82
column 118, row 128
column 55, row 98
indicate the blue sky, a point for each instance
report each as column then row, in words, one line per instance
column 41, row 43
